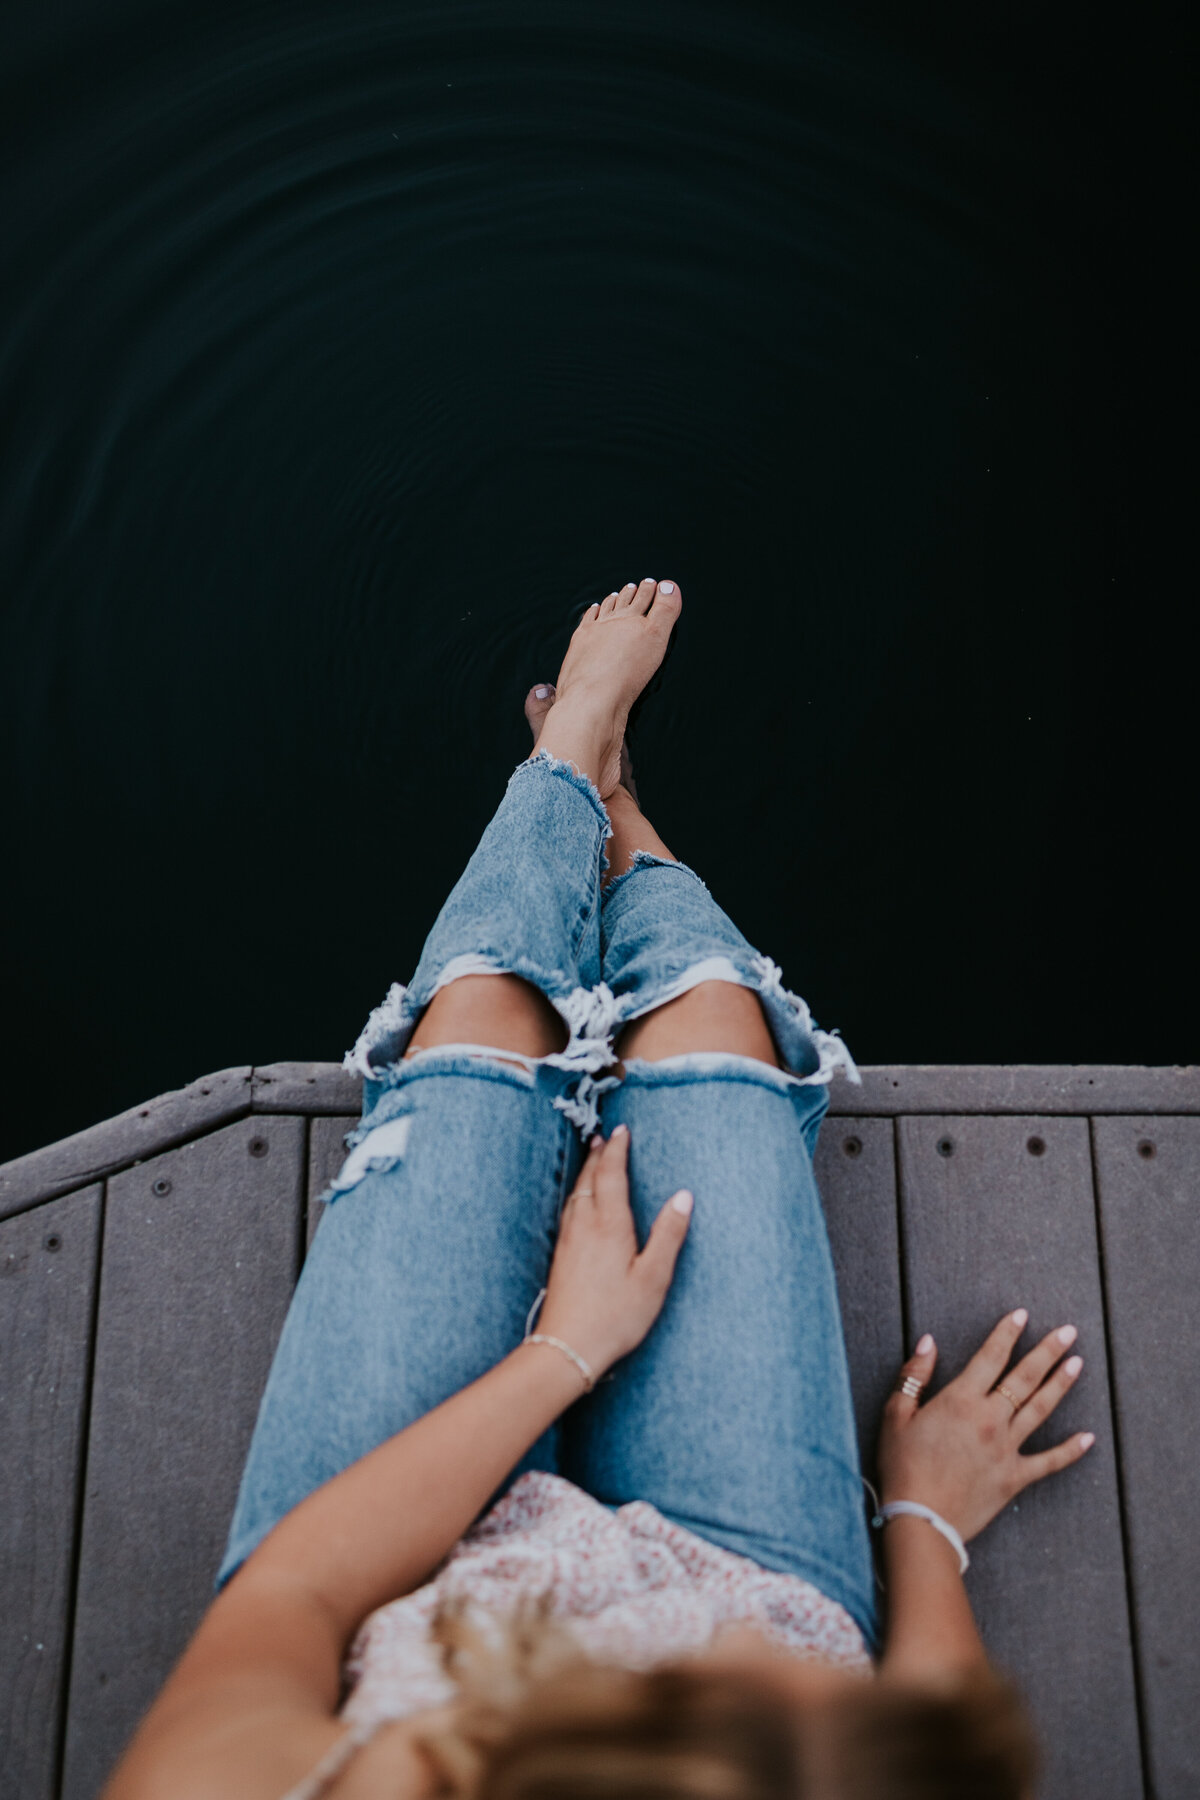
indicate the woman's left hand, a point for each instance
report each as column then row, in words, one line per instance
column 961, row 1453
column 602, row 1295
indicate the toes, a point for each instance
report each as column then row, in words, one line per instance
column 610, row 605
column 625, row 597
column 642, row 596
column 667, row 604
column 538, row 702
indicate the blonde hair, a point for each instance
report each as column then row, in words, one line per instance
column 539, row 1720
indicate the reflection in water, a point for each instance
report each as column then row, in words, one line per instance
column 349, row 349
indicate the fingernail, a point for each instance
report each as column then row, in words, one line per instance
column 540, row 693
column 1066, row 1334
column 666, row 587
column 682, row 1202
column 1073, row 1365
column 1086, row 1439
column 620, row 1131
column 1020, row 1317
column 596, row 1143
column 925, row 1344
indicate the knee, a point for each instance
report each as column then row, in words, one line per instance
column 502, row 1011
column 714, row 1016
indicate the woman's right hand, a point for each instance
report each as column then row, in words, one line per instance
column 960, row 1452
column 602, row 1295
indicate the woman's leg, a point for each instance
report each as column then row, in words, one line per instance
column 442, row 1221
column 734, row 1416
column 441, row 1224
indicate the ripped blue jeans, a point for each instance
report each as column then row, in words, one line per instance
column 733, row 1417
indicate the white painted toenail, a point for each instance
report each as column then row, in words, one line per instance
column 541, row 693
column 666, row 587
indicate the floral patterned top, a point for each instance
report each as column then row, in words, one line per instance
column 632, row 1588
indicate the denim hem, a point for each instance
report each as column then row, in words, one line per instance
column 542, row 759
column 646, row 859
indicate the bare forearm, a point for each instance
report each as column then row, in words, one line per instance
column 931, row 1629
column 381, row 1527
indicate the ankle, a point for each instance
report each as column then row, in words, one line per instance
column 583, row 750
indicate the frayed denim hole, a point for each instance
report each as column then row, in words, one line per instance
column 472, row 1060
column 638, row 1003
column 388, row 1152
column 554, row 984
column 695, row 1067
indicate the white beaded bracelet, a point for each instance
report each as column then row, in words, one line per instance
column 541, row 1337
column 917, row 1511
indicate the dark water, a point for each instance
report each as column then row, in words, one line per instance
column 349, row 348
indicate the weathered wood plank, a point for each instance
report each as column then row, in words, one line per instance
column 326, row 1154
column 142, row 1131
column 296, row 1087
column 999, row 1213
column 316, row 1088
column 856, row 1176
column 48, row 1268
column 1079, row 1088
column 200, row 1254
column 1148, row 1174
column 886, row 1091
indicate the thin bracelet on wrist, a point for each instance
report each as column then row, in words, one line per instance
column 584, row 1369
column 913, row 1509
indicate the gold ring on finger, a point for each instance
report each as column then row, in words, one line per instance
column 584, row 1193
column 1010, row 1397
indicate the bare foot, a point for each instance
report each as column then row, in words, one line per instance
column 538, row 702
column 615, row 649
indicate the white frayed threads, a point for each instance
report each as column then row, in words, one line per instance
column 582, row 1107
column 590, row 1016
column 384, row 1024
column 834, row 1056
column 831, row 1052
column 713, row 968
column 472, row 963
column 379, row 1151
column 770, row 977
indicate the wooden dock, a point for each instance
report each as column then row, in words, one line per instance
column 147, row 1265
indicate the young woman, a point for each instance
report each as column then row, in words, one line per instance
column 624, row 1553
